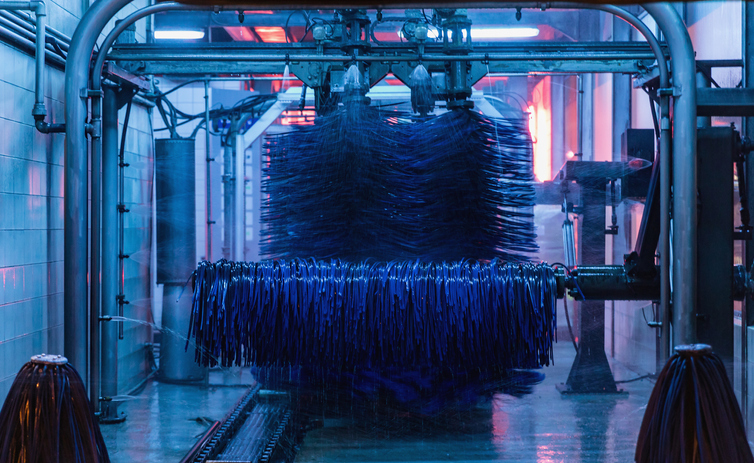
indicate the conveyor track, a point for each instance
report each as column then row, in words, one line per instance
column 260, row 428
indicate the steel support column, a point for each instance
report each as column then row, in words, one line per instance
column 747, row 308
column 684, row 171
column 109, row 249
column 76, row 183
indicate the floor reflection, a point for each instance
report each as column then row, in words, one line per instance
column 539, row 427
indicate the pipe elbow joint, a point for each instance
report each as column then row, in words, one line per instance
column 39, row 7
column 45, row 127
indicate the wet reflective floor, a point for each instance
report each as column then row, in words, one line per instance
column 165, row 421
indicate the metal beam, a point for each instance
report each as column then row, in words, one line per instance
column 725, row 101
column 256, row 130
column 244, row 58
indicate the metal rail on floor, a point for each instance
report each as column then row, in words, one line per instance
column 259, row 428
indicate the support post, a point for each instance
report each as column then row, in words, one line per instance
column 239, row 203
column 590, row 372
column 208, row 174
column 684, row 170
column 109, row 349
column 228, row 192
column 94, row 261
column 747, row 308
column 76, row 184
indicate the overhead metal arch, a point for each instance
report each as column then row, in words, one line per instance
column 77, row 92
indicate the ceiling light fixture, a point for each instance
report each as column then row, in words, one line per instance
column 503, row 32
column 166, row 34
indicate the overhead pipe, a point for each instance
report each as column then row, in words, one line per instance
column 40, row 14
column 684, row 170
column 246, row 57
column 27, row 22
column 27, row 42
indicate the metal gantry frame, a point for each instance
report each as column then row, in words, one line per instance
column 79, row 90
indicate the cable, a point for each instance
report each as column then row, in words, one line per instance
column 565, row 307
column 306, row 18
column 568, row 322
column 252, row 104
column 638, row 378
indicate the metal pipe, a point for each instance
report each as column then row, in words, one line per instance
column 94, row 257
column 28, row 34
column 228, row 186
column 27, row 43
column 664, row 149
column 580, row 116
column 208, row 173
column 39, row 80
column 610, row 283
column 40, row 53
column 76, row 181
column 239, row 203
column 122, row 26
column 245, row 57
column 684, row 171
column 17, row 5
column 664, row 244
column 747, row 308
column 25, row 20
column 109, row 251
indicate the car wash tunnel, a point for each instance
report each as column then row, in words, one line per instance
column 376, row 232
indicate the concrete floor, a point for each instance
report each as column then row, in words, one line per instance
column 541, row 427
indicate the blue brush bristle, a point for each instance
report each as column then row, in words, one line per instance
column 345, row 316
column 362, row 183
column 365, row 185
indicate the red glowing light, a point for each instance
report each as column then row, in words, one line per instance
column 305, row 117
column 241, row 34
column 540, row 127
column 273, row 34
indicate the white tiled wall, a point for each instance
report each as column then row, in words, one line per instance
column 31, row 213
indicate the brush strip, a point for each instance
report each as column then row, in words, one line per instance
column 374, row 315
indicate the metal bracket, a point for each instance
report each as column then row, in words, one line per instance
column 674, row 91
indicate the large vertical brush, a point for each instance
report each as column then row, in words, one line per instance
column 474, row 175
column 326, row 195
column 47, row 416
column 693, row 415
column 361, row 183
